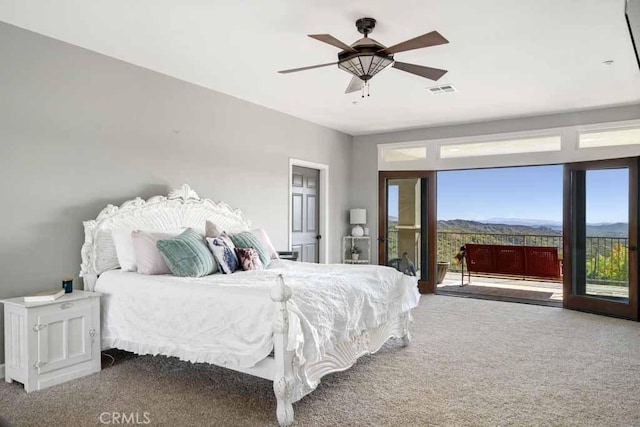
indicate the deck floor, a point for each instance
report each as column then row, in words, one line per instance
column 536, row 290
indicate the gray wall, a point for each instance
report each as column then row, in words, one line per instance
column 364, row 189
column 79, row 130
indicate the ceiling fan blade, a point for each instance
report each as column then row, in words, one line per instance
column 433, row 38
column 426, row 72
column 295, row 70
column 329, row 39
column 354, row 85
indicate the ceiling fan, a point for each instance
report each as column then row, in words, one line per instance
column 366, row 57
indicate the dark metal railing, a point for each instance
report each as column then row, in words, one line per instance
column 607, row 257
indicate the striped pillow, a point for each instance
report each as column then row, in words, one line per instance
column 247, row 239
column 187, row 255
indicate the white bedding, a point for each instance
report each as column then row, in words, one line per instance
column 227, row 319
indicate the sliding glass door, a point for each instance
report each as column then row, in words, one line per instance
column 407, row 224
column 600, row 256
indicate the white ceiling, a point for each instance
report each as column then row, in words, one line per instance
column 506, row 58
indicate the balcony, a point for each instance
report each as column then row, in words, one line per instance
column 607, row 264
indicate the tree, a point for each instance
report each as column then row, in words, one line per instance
column 614, row 268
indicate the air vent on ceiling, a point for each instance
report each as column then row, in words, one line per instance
column 436, row 90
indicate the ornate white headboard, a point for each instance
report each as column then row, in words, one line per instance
column 180, row 209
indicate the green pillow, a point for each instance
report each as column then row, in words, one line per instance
column 247, row 239
column 187, row 255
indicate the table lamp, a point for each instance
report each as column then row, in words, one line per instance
column 357, row 217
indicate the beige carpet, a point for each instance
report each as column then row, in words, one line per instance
column 472, row 362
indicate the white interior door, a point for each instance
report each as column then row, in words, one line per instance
column 305, row 224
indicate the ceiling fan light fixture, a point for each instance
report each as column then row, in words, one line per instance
column 365, row 66
column 367, row 57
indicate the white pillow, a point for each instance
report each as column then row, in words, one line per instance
column 124, row 248
column 263, row 238
column 211, row 229
column 148, row 258
column 125, row 251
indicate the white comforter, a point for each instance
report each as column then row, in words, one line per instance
column 227, row 319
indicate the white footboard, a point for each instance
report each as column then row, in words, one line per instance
column 283, row 381
column 292, row 381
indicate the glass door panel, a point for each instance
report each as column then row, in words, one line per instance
column 600, row 237
column 607, row 233
column 404, row 230
column 407, row 224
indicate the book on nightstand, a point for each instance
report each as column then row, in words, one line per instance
column 44, row 296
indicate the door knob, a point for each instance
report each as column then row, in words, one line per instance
column 318, row 237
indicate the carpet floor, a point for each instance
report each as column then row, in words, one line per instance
column 472, row 363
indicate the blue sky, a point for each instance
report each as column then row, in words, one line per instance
column 525, row 193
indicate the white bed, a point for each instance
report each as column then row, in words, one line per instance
column 291, row 323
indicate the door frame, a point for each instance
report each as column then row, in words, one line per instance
column 424, row 286
column 323, row 205
column 596, row 304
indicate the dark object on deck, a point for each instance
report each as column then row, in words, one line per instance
column 525, row 261
column 403, row 265
column 460, row 256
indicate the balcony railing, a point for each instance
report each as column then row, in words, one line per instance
column 606, row 257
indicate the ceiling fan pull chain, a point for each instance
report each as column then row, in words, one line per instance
column 365, row 87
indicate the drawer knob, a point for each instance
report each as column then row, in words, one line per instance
column 66, row 305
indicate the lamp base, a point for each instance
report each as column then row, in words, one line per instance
column 357, row 231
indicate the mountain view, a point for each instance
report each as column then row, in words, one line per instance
column 537, row 228
column 532, row 227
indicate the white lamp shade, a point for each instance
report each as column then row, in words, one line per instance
column 358, row 216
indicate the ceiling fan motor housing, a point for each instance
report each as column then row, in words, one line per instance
column 365, row 25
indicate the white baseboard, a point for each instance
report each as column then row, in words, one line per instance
column 1, row 371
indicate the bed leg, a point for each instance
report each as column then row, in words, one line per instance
column 283, row 375
column 407, row 320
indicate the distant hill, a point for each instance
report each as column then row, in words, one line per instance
column 524, row 221
column 465, row 226
column 618, row 229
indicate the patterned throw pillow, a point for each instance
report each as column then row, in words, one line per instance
column 224, row 254
column 249, row 259
column 226, row 240
column 187, row 255
column 248, row 240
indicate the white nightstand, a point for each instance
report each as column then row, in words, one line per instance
column 48, row 343
column 363, row 243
